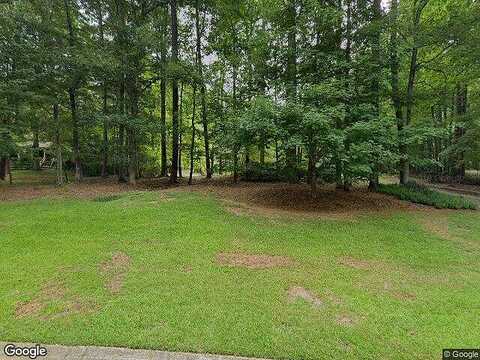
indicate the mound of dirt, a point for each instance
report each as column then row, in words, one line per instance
column 298, row 292
column 250, row 261
column 297, row 199
column 115, row 270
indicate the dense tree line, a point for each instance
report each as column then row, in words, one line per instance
column 331, row 90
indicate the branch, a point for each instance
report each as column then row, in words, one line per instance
column 441, row 53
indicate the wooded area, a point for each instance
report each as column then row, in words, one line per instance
column 318, row 90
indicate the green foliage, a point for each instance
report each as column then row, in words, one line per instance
column 422, row 195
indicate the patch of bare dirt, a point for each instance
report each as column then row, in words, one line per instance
column 251, row 261
column 237, row 211
column 52, row 292
column 29, row 308
column 298, row 292
column 115, row 270
column 402, row 295
column 346, row 320
column 437, row 225
column 361, row 264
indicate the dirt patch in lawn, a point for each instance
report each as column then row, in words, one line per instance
column 251, row 261
column 52, row 293
column 361, row 264
column 115, row 270
column 298, row 292
column 404, row 296
column 346, row 320
column 437, row 225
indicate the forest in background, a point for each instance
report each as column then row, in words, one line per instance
column 318, row 90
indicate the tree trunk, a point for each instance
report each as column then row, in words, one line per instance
column 192, row 143
column 377, row 18
column 174, row 171
column 104, row 168
column 36, row 149
column 291, row 81
column 132, row 156
column 58, row 146
column 132, row 91
column 3, row 168
column 163, row 96
column 461, row 109
column 122, row 177
column 202, row 89
column 405, row 162
column 341, row 168
column 262, row 152
column 73, row 101
column 75, row 135
column 180, row 136
column 394, row 72
column 8, row 170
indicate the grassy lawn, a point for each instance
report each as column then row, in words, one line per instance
column 176, row 271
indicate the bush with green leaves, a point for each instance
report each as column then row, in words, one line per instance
column 422, row 195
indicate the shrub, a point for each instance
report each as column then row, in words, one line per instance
column 422, row 195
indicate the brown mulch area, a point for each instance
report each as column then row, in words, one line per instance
column 297, row 199
column 253, row 261
column 89, row 188
column 268, row 199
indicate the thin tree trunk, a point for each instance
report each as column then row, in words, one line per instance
column 180, row 136
column 236, row 147
column 75, row 135
column 192, row 144
column 202, row 89
column 121, row 134
column 405, row 162
column 341, row 168
column 8, row 166
column 174, row 171
column 394, row 70
column 312, row 159
column 58, row 146
column 131, row 133
column 461, row 109
column 104, row 168
column 291, row 81
column 73, row 102
column 3, row 168
column 163, row 124
column 163, row 96
column 36, row 149
column 377, row 18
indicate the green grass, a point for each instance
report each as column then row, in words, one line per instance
column 417, row 294
column 421, row 195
